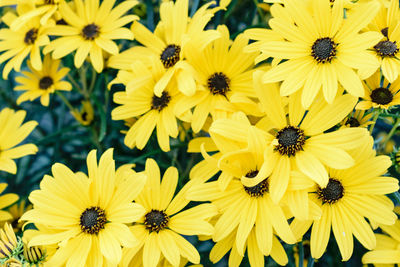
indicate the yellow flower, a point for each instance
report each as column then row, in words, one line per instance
column 296, row 142
column 91, row 33
column 379, row 93
column 17, row 44
column 386, row 51
column 358, row 118
column 159, row 230
column 139, row 100
column 85, row 115
column 170, row 43
column 350, row 195
column 224, row 75
column 12, row 133
column 88, row 216
column 322, row 49
column 42, row 83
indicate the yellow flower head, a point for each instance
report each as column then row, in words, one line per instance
column 169, row 43
column 12, row 133
column 350, row 195
column 161, row 228
column 358, row 118
column 9, row 244
column 379, row 93
column 322, row 48
column 88, row 215
column 17, row 44
column 139, row 100
column 224, row 76
column 42, row 83
column 16, row 211
column 85, row 115
column 91, row 29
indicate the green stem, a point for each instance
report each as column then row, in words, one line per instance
column 93, row 81
column 375, row 118
column 74, row 83
column 65, row 100
column 258, row 9
column 82, row 74
column 301, row 254
column 310, row 262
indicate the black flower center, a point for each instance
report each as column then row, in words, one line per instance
column 323, row 50
column 386, row 48
column 381, row 96
column 156, row 220
column 159, row 103
column 45, row 82
column 31, row 36
column 291, row 139
column 90, row 31
column 93, row 220
column 218, row 83
column 353, row 122
column 170, row 55
column 332, row 192
column 384, row 31
column 258, row 190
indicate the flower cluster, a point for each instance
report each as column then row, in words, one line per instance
column 269, row 138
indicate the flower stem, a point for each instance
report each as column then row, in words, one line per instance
column 301, row 254
column 65, row 100
column 310, row 262
column 392, row 131
column 374, row 119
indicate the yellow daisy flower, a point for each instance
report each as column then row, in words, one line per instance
column 350, row 195
column 386, row 51
column 387, row 250
column 12, row 133
column 155, row 112
column 90, row 30
column 296, row 142
column 89, row 215
column 159, row 230
column 85, row 116
column 224, row 75
column 16, row 45
column 358, row 118
column 169, row 43
column 245, row 207
column 322, row 49
column 6, row 200
column 254, row 252
column 42, row 83
column 379, row 93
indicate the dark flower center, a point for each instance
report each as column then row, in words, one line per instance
column 323, row 50
column 49, row 2
column 45, row 82
column 353, row 122
column 381, row 96
column 386, row 48
column 61, row 22
column 218, row 83
column 332, row 192
column 31, row 36
column 384, row 31
column 258, row 190
column 170, row 55
column 159, row 103
column 291, row 139
column 90, row 31
column 93, row 220
column 156, row 220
